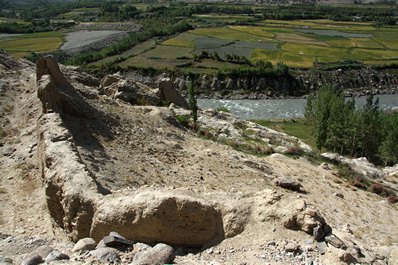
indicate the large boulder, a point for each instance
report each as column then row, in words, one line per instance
column 48, row 65
column 167, row 92
column 55, row 92
column 158, row 216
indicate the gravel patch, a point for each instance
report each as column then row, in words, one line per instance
column 82, row 38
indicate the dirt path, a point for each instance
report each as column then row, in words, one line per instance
column 23, row 210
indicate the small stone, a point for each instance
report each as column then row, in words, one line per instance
column 321, row 231
column 288, row 183
column 325, row 166
column 84, row 244
column 101, row 244
column 335, row 241
column 42, row 251
column 32, row 260
column 159, row 254
column 106, row 254
column 20, row 231
column 338, row 194
column 116, row 234
column 141, row 247
column 322, row 247
column 309, row 242
column 347, row 257
column 117, row 241
column 56, row 255
column 292, row 247
column 210, row 251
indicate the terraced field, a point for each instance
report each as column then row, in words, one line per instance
column 24, row 44
column 300, row 43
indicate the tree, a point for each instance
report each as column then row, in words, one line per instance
column 370, row 129
column 192, row 102
column 389, row 147
column 318, row 112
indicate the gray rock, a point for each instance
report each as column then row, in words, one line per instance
column 32, row 260
column 84, row 244
column 322, row 247
column 116, row 242
column 42, row 251
column 321, row 231
column 292, row 247
column 288, row 183
column 100, row 244
column 56, row 255
column 338, row 194
column 106, row 254
column 347, row 257
column 116, row 234
column 141, row 247
column 158, row 255
column 335, row 241
column 8, row 151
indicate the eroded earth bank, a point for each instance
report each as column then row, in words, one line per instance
column 83, row 161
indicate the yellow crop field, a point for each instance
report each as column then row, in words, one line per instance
column 36, row 42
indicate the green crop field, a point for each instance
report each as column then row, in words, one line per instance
column 24, row 44
column 297, row 43
column 136, row 50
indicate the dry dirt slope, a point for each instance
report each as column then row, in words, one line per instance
column 129, row 151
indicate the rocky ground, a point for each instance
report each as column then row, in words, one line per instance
column 84, row 163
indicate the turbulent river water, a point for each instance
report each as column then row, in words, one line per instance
column 280, row 108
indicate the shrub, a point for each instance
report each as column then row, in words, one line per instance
column 224, row 109
column 183, row 120
column 392, row 199
column 381, row 190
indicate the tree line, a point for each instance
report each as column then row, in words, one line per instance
column 340, row 127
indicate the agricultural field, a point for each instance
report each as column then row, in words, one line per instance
column 25, row 44
column 78, row 13
column 297, row 43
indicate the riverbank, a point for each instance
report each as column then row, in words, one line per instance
column 295, row 84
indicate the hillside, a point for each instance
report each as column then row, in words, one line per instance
column 77, row 161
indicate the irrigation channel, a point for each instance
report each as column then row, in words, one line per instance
column 281, row 108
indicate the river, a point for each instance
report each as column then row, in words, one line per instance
column 280, row 108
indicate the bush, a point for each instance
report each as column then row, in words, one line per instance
column 224, row 109
column 392, row 199
column 380, row 190
column 183, row 120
